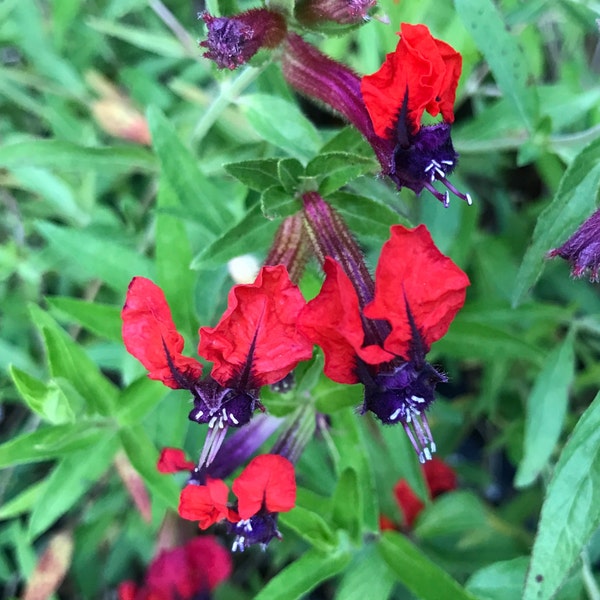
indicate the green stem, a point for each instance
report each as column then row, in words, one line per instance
column 589, row 581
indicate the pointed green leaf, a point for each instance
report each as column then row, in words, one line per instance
column 546, row 411
column 24, row 501
column 277, row 202
column 571, row 509
column 256, row 174
column 289, row 171
column 310, row 527
column 138, row 399
column 336, row 169
column 499, row 580
column 347, row 504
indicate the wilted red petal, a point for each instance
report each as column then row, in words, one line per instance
column 172, row 460
column 439, row 477
column 51, row 567
column 428, row 68
column 148, row 329
column 412, row 267
column 206, row 504
column 135, row 485
column 410, row 504
column 332, row 321
column 257, row 338
column 268, row 481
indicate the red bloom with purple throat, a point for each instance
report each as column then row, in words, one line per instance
column 381, row 341
column 256, row 343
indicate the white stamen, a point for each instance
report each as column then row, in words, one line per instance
column 224, row 415
column 233, row 419
column 221, row 425
column 408, row 417
column 395, row 414
column 447, row 162
column 212, row 422
column 199, row 414
column 435, row 163
column 429, row 167
column 417, row 399
column 440, row 172
column 469, row 199
column 421, row 458
column 433, row 446
column 427, row 453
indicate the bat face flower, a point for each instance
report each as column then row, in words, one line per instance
column 418, row 291
column 266, row 487
column 256, row 343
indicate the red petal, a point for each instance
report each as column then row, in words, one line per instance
column 411, row 266
column 386, row 524
column 410, row 504
column 257, row 336
column 332, row 321
column 172, row 460
column 208, row 560
column 204, row 503
column 148, row 328
column 267, row 481
column 427, row 67
column 127, row 591
column 440, row 477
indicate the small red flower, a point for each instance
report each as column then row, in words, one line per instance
column 172, row 460
column 151, row 336
column 424, row 70
column 182, row 573
column 205, row 503
column 439, row 479
column 256, row 342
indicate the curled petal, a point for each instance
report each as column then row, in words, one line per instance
column 150, row 335
column 256, row 342
column 332, row 321
column 172, row 460
column 413, row 273
column 423, row 69
column 267, row 482
column 206, row 504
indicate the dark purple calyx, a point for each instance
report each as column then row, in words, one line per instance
column 345, row 12
column 233, row 41
column 258, row 529
column 403, row 396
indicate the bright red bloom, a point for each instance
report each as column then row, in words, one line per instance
column 182, row 573
column 256, row 342
column 439, row 478
column 412, row 274
column 151, row 336
column 268, row 482
column 205, row 503
column 423, row 69
column 172, row 460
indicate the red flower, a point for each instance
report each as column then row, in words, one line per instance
column 439, row 479
column 412, row 275
column 267, row 486
column 256, row 342
column 151, row 336
column 205, row 503
column 423, row 70
column 182, row 573
column 172, row 460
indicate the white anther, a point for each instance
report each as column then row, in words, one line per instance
column 233, row 419
column 427, row 454
column 429, row 167
column 433, row 446
column 421, row 458
column 199, row 414
column 469, row 199
column 395, row 414
column 440, row 172
column 212, row 422
column 221, row 424
column 417, row 399
column 224, row 412
column 408, row 417
column 447, row 162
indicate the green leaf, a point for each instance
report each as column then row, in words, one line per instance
column 414, row 570
column 504, row 55
column 335, row 169
column 252, row 233
column 68, row 360
column 61, row 155
column 102, row 319
column 571, row 509
column 256, row 174
column 574, row 201
column 367, row 576
column 24, row 501
column 276, row 203
column 138, row 399
column 309, row 526
column 95, row 256
column 546, row 410
column 71, row 478
column 289, row 171
column 500, row 580
column 304, row 574
column 143, row 456
column 50, row 442
column 179, row 167
column 282, row 124
column 47, row 400
column 347, row 504
column 173, row 259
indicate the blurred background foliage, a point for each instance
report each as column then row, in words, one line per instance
column 114, row 134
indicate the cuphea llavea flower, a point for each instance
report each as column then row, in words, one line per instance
column 418, row 292
column 182, row 573
column 439, row 479
column 255, row 343
column 266, row 487
column 387, row 106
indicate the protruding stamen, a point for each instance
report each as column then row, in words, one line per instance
column 419, row 434
column 455, row 191
column 214, row 438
